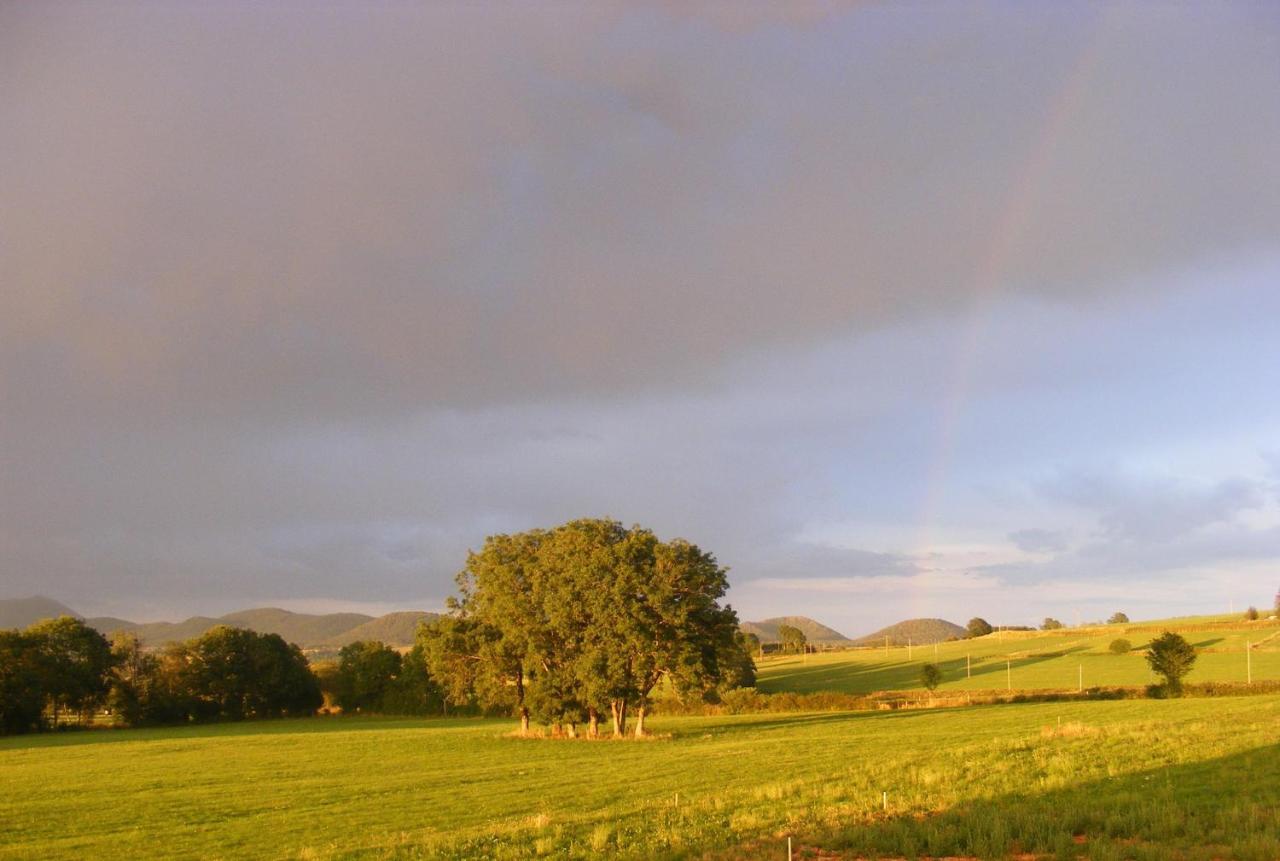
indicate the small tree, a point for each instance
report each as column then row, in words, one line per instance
column 1120, row 646
column 1171, row 658
column 1251, row 614
column 979, row 627
column 1050, row 624
column 930, row 676
column 1118, row 619
column 793, row 639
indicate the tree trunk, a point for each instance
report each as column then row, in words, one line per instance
column 573, row 730
column 640, row 710
column 593, row 723
column 619, row 717
column 524, row 721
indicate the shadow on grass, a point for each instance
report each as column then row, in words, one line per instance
column 868, row 677
column 1215, row 808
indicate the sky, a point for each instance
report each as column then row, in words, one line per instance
column 910, row 309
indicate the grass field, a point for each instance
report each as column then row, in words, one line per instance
column 1036, row 659
column 1143, row 778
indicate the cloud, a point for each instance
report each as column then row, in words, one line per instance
column 1154, row 508
column 308, row 301
column 294, row 216
column 1039, row 540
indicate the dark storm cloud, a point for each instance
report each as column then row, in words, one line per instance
column 302, row 301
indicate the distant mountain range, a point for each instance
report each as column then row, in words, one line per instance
column 334, row 630
column 814, row 632
column 917, row 631
column 328, row 630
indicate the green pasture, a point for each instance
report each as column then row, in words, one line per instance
column 1194, row 779
column 1032, row 660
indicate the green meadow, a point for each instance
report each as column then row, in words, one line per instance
column 1157, row 779
column 1034, row 660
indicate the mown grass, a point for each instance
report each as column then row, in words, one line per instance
column 1154, row 779
column 1037, row 660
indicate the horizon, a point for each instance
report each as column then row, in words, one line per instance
column 899, row 312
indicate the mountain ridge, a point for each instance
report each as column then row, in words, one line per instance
column 308, row 630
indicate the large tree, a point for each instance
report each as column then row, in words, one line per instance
column 76, row 665
column 22, row 691
column 366, row 676
column 563, row 624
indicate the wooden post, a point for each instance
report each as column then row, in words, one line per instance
column 908, row 648
column 1008, row 674
column 1081, row 678
column 1248, row 662
column 968, row 667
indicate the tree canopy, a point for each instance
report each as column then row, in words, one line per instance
column 1171, row 657
column 793, row 639
column 560, row 625
column 978, row 627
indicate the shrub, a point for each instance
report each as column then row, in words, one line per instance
column 1171, row 657
column 1120, row 646
column 930, row 676
column 1118, row 619
column 979, row 627
column 1251, row 614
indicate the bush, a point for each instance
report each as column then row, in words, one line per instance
column 1251, row 614
column 1171, row 657
column 1050, row 624
column 1118, row 619
column 930, row 676
column 978, row 627
column 1120, row 646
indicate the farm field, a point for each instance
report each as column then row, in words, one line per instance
column 1037, row 660
column 1194, row 779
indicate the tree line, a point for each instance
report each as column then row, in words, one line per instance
column 60, row 669
column 567, row 625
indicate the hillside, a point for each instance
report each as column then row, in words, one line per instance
column 814, row 632
column 21, row 612
column 918, row 631
column 397, row 629
column 305, row 629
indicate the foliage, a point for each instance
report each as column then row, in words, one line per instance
column 75, row 660
column 978, row 627
column 792, row 638
column 1118, row 619
column 366, row 673
column 1251, row 614
column 559, row 625
column 1120, row 646
column 1050, row 624
column 22, row 691
column 930, row 676
column 1171, row 657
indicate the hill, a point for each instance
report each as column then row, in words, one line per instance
column 814, row 632
column 918, row 631
column 306, row 629
column 396, row 629
column 21, row 612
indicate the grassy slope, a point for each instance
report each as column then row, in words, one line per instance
column 1037, row 660
column 1199, row 775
